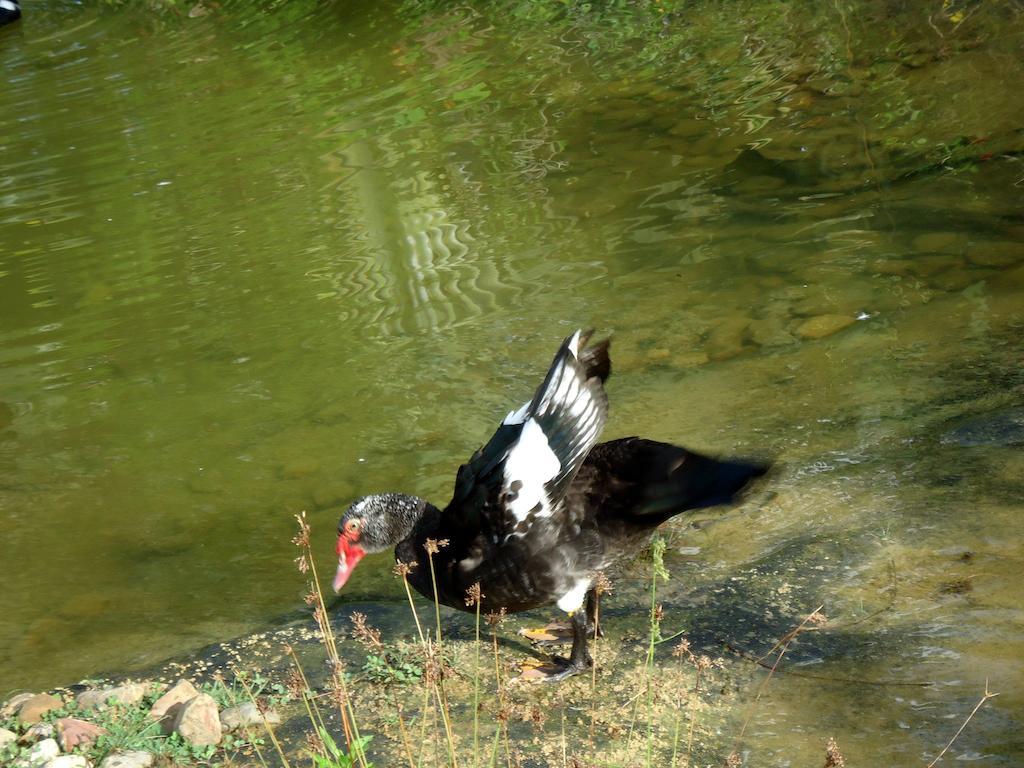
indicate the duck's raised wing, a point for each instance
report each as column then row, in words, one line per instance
column 523, row 471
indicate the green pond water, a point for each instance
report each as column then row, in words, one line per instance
column 268, row 257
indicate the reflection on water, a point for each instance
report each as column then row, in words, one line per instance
column 259, row 262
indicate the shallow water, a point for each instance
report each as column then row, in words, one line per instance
column 258, row 262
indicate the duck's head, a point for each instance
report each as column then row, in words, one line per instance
column 373, row 524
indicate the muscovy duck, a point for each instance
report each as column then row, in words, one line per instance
column 9, row 11
column 542, row 508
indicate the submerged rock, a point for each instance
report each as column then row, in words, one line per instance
column 823, row 325
column 245, row 715
column 995, row 254
column 197, row 721
column 727, row 338
column 133, row 759
column 1002, row 428
column 770, row 332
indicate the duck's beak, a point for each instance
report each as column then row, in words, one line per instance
column 349, row 554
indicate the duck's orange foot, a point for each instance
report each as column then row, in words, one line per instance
column 555, row 633
column 551, row 670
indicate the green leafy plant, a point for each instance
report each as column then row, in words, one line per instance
column 337, row 757
column 398, row 667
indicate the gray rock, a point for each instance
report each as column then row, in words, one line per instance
column 197, row 721
column 247, row 714
column 127, row 694
column 68, row 761
column 134, row 759
column 38, row 732
column 41, row 753
column 6, row 737
column 179, row 693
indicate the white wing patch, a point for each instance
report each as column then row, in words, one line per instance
column 518, row 416
column 530, row 464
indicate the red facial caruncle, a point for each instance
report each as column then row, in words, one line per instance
column 349, row 551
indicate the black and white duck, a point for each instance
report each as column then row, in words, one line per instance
column 9, row 11
column 543, row 508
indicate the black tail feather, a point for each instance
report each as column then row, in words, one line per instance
column 701, row 481
column 668, row 480
column 595, row 359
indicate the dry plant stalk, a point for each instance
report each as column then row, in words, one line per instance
column 474, row 597
column 263, row 718
column 981, row 702
column 701, row 663
column 369, row 638
column 814, row 620
column 315, row 598
column 433, row 546
column 494, row 619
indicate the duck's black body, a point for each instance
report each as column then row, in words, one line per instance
column 541, row 509
column 9, row 11
column 623, row 491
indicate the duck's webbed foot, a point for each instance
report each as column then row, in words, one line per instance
column 558, row 667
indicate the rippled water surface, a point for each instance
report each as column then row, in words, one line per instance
column 261, row 260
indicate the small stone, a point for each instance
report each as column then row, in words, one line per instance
column 179, row 693
column 726, row 339
column 43, row 752
column 127, row 694
column 72, row 733
column 958, row 279
column 38, row 732
column 247, row 714
column 691, row 359
column 197, row 721
column 989, row 254
column 68, row 761
column 297, row 470
column 32, row 709
column 6, row 737
column 10, row 707
column 690, row 127
column 940, row 242
column 332, row 494
column 916, row 60
column 769, row 332
column 823, row 325
column 133, row 759
column 902, row 267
